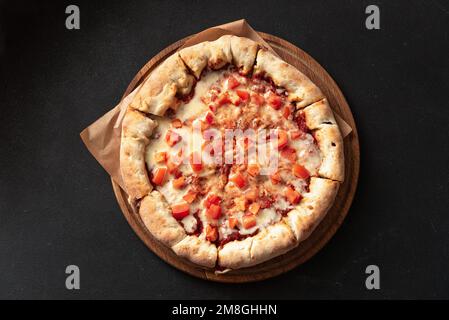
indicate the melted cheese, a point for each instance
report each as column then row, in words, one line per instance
column 195, row 107
column 282, row 204
column 189, row 223
column 171, row 194
column 307, row 152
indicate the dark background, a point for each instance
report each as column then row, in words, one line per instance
column 57, row 206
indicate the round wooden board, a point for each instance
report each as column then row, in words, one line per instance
column 326, row 228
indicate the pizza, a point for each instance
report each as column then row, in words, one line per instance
column 229, row 155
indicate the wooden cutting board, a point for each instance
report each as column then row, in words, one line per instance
column 327, row 227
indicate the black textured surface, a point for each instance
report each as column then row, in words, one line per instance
column 56, row 203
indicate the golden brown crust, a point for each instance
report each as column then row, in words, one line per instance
column 157, row 217
column 319, row 114
column 271, row 242
column 330, row 143
column 312, row 208
column 197, row 250
column 275, row 240
column 244, row 53
column 161, row 89
column 214, row 54
column 235, row 254
column 300, row 88
column 136, row 130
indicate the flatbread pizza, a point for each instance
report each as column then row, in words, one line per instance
column 231, row 155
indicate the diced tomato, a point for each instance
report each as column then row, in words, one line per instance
column 224, row 99
column 240, row 203
column 236, row 101
column 286, row 112
column 254, row 208
column 211, row 233
column 212, row 107
column 252, row 194
column 249, row 221
column 211, row 199
column 189, row 196
column 209, row 118
column 176, row 123
column 275, row 178
column 232, row 82
column 238, row 179
column 248, row 140
column 244, row 95
column 282, row 139
column 204, row 125
column 289, row 154
column 172, row 167
column 292, row 195
column 253, row 169
column 295, row 134
column 300, row 172
column 274, row 100
column 196, row 167
column 159, row 176
column 179, row 183
column 232, row 222
column 172, row 138
column 214, row 211
column 180, row 210
column 257, row 99
column 160, row 157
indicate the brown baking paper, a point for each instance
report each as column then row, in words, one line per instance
column 102, row 138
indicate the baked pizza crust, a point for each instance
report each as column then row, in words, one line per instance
column 319, row 114
column 235, row 254
column 157, row 218
column 162, row 88
column 330, row 143
column 244, row 53
column 136, row 130
column 312, row 208
column 197, row 250
column 320, row 119
column 301, row 89
column 270, row 242
column 215, row 54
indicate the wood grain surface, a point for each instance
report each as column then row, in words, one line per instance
column 330, row 223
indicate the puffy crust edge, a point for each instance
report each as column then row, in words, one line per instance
column 197, row 250
column 214, row 54
column 274, row 241
column 271, row 242
column 312, row 208
column 330, row 142
column 235, row 254
column 244, row 52
column 163, row 86
column 300, row 88
column 136, row 130
column 319, row 114
column 157, row 218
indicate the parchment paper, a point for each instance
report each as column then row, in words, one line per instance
column 102, row 138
